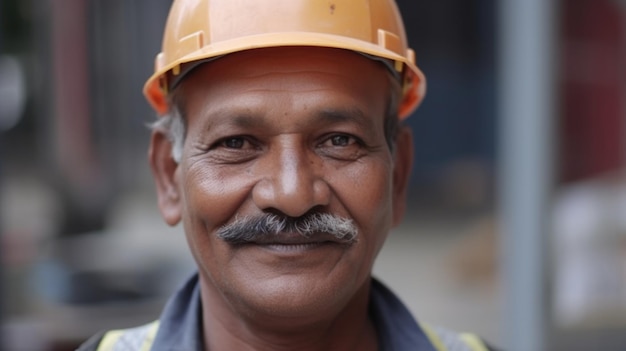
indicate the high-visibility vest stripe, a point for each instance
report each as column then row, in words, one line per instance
column 474, row 342
column 110, row 339
column 135, row 339
column 444, row 340
column 147, row 345
column 433, row 337
column 141, row 339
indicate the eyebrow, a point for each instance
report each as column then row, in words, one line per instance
column 329, row 115
column 243, row 120
column 338, row 115
column 247, row 121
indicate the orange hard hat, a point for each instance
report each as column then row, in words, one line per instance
column 199, row 30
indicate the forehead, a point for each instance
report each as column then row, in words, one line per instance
column 290, row 70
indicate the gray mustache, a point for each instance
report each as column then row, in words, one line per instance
column 249, row 229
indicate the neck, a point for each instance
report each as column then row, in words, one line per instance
column 227, row 328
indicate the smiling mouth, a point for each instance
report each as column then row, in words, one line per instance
column 287, row 248
column 293, row 242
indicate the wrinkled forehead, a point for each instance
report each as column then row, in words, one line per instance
column 351, row 69
column 326, row 53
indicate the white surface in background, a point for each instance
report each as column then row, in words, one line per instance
column 12, row 92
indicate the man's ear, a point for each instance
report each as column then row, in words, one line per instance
column 403, row 162
column 166, row 177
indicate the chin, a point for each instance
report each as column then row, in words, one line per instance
column 300, row 297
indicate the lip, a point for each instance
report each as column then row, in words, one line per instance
column 295, row 248
column 295, row 239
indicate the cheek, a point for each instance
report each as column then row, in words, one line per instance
column 213, row 194
column 366, row 192
column 210, row 198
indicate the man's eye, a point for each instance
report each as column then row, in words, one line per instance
column 342, row 147
column 234, row 143
column 341, row 140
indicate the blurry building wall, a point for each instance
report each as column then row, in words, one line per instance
column 589, row 232
column 593, row 37
column 454, row 129
column 94, row 57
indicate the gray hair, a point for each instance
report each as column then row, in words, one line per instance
column 249, row 229
column 174, row 127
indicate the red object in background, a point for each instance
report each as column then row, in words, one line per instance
column 592, row 86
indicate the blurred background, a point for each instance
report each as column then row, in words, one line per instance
column 82, row 246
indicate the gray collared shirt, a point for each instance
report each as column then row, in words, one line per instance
column 181, row 321
column 180, row 326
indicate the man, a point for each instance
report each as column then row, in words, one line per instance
column 279, row 148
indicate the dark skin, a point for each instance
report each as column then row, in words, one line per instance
column 286, row 131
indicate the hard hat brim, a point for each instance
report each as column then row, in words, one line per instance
column 156, row 93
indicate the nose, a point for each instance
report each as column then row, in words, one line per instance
column 291, row 182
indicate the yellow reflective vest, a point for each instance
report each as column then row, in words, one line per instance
column 141, row 339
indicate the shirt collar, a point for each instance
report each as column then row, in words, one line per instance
column 181, row 322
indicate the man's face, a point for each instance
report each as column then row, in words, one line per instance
column 286, row 131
